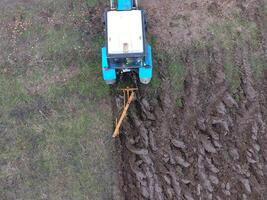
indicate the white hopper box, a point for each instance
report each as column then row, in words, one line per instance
column 125, row 33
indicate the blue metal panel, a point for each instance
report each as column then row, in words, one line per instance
column 104, row 57
column 148, row 59
column 125, row 4
column 146, row 71
column 108, row 74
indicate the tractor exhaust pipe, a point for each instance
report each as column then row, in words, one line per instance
column 112, row 7
column 135, row 4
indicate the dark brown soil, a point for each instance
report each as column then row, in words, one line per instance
column 214, row 146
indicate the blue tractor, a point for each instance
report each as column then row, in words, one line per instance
column 126, row 49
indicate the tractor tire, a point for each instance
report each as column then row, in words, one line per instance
column 145, row 80
column 110, row 82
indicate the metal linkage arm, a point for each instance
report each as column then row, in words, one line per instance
column 129, row 94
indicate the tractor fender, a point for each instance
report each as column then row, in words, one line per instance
column 109, row 75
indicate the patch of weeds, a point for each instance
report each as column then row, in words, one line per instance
column 12, row 93
column 265, row 9
column 236, row 97
column 258, row 66
column 91, row 3
column 201, row 44
column 71, row 129
column 232, row 73
column 47, row 162
column 89, row 82
column 71, row 146
column 61, row 153
column 10, row 150
column 235, row 31
column 174, row 67
column 62, row 42
column 98, row 42
column 202, row 68
column 79, row 151
column 32, row 31
column 201, row 63
column 179, row 102
column 177, row 73
column 180, row 20
column 155, row 81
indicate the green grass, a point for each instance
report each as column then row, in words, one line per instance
column 258, row 65
column 177, row 72
column 55, row 142
column 175, row 69
column 179, row 102
column 155, row 81
column 232, row 72
column 12, row 93
column 235, row 31
column 65, row 137
column 238, row 32
column 91, row 3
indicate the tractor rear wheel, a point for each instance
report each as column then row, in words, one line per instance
column 110, row 82
column 145, row 80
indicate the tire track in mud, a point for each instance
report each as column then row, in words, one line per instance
column 251, row 126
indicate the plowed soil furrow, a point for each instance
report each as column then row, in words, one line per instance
column 214, row 145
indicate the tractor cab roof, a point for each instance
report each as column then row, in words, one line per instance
column 125, row 33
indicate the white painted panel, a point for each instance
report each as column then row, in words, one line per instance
column 125, row 32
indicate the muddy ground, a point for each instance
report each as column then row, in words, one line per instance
column 212, row 144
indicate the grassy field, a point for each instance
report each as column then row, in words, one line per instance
column 55, row 117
